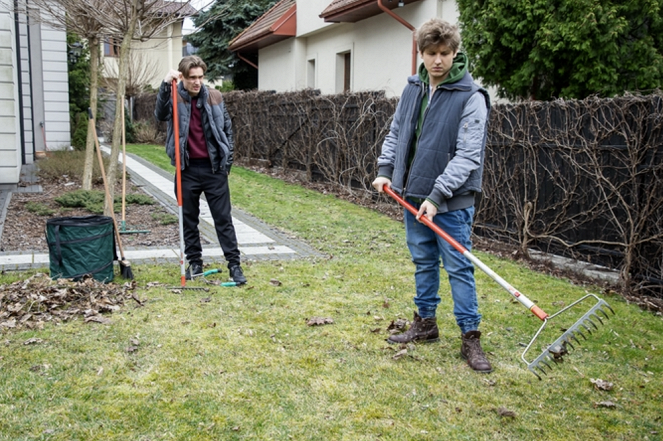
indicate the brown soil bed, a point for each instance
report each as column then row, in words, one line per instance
column 24, row 230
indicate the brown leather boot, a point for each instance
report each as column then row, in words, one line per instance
column 421, row 330
column 471, row 351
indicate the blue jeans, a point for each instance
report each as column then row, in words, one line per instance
column 426, row 248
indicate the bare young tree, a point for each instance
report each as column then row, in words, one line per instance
column 129, row 20
column 141, row 71
column 80, row 17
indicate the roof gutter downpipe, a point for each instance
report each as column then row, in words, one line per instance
column 247, row 61
column 407, row 25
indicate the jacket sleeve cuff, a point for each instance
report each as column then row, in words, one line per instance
column 437, row 198
column 386, row 171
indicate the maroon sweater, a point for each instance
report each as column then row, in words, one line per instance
column 196, row 143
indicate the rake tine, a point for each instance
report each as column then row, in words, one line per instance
column 605, row 313
column 546, row 364
column 568, row 342
column 555, row 360
column 534, row 372
column 542, row 370
column 598, row 318
column 593, row 324
column 587, row 328
column 580, row 332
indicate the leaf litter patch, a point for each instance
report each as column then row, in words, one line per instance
column 30, row 303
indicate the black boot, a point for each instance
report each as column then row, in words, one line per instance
column 421, row 330
column 237, row 274
column 471, row 351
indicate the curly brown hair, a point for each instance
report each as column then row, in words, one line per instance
column 437, row 31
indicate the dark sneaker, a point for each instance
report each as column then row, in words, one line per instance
column 471, row 351
column 421, row 330
column 237, row 275
column 195, row 269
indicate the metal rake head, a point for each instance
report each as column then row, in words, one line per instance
column 554, row 353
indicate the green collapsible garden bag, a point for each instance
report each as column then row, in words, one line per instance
column 81, row 245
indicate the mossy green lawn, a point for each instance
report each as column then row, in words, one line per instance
column 241, row 363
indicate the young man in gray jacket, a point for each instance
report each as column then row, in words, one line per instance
column 206, row 154
column 433, row 156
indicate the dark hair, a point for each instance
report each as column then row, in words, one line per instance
column 437, row 31
column 189, row 62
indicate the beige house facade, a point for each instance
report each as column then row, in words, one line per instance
column 342, row 45
column 150, row 60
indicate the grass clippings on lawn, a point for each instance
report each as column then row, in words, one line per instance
column 244, row 363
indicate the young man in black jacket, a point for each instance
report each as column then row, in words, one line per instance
column 206, row 154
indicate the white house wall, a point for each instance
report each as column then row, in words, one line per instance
column 380, row 47
column 10, row 147
column 56, row 88
column 308, row 16
column 277, row 67
column 26, row 80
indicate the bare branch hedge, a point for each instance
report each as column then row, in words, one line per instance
column 578, row 178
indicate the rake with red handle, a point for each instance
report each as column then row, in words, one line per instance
column 178, row 177
column 553, row 353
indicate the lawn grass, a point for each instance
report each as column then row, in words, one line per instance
column 241, row 363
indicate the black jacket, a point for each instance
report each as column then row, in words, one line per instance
column 217, row 125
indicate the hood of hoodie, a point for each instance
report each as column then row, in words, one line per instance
column 456, row 73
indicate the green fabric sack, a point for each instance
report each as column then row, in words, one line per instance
column 81, row 245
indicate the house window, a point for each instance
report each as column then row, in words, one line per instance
column 343, row 72
column 111, row 48
column 310, row 74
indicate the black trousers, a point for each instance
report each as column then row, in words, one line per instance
column 195, row 181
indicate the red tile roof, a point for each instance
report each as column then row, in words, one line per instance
column 277, row 24
column 352, row 11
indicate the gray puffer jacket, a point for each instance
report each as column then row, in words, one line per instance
column 217, row 125
column 448, row 161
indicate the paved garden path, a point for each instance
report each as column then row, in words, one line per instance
column 257, row 240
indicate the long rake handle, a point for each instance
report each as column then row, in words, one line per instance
column 103, row 177
column 124, row 166
column 541, row 314
column 178, row 175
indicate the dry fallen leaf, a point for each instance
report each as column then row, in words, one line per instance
column 8, row 324
column 98, row 319
column 397, row 326
column 33, row 341
column 605, row 404
column 504, row 412
column 275, row 282
column 399, row 354
column 316, row 321
column 601, row 385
